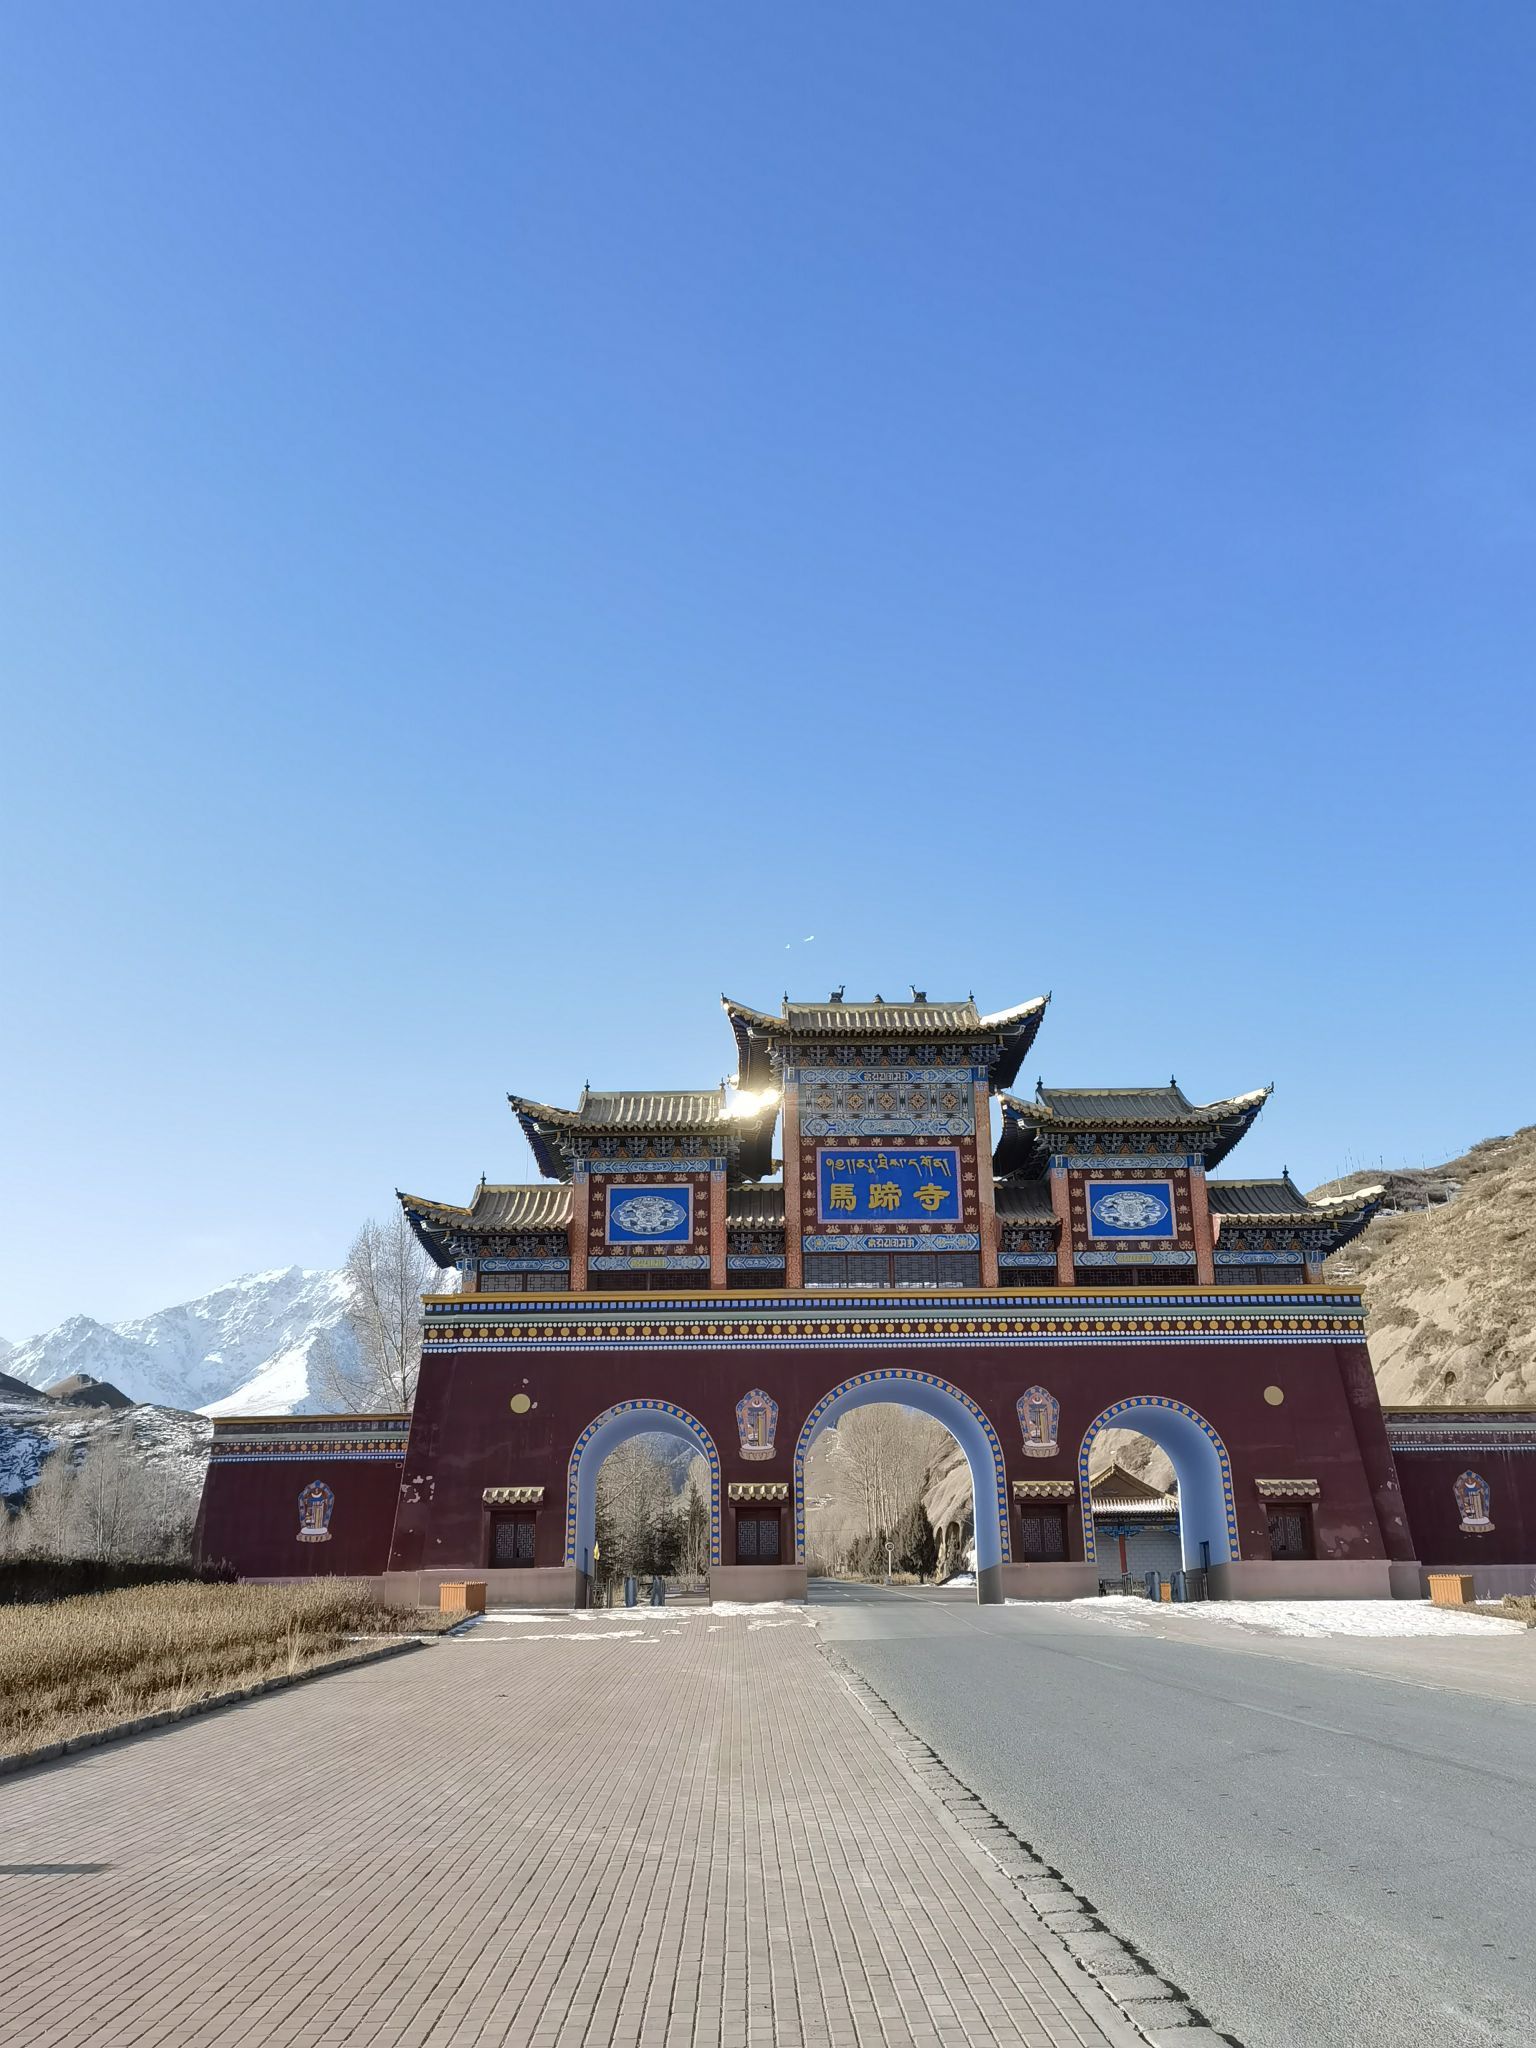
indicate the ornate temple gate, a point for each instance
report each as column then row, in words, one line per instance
column 1027, row 1383
column 672, row 1272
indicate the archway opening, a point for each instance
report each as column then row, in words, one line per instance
column 884, row 1487
column 921, row 1396
column 1155, row 1490
column 1135, row 1495
column 652, row 1498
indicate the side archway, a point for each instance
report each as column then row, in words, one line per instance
column 604, row 1433
column 966, row 1423
column 1207, row 1511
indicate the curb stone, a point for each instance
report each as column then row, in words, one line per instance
column 1167, row 2017
column 146, row 1724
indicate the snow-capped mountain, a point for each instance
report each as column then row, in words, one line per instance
column 258, row 1346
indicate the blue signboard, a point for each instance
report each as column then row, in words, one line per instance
column 876, row 1184
column 1130, row 1208
column 646, row 1214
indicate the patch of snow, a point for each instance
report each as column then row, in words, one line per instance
column 1296, row 1618
column 966, row 1579
column 1313, row 1618
column 791, row 1607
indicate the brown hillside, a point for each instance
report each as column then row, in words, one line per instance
column 1450, row 1291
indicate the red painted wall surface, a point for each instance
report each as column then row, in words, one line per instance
column 1427, row 1478
column 464, row 1436
column 250, row 1517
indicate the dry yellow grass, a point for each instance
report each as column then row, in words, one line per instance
column 73, row 1667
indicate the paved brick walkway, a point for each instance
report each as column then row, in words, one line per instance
column 677, row 1830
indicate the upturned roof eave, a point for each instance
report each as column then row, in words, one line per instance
column 758, row 1032
column 1031, row 1129
column 544, row 1125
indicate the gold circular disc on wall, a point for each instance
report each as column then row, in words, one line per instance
column 520, row 1404
column 1273, row 1395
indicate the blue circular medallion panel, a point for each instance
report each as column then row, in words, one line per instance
column 649, row 1215
column 1130, row 1209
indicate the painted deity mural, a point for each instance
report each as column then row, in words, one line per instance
column 757, row 1418
column 1039, row 1416
column 315, row 1504
column 1474, row 1499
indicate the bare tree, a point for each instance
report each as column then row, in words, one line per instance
column 47, row 1526
column 387, row 1274
column 104, row 1499
column 694, row 1516
column 882, row 1460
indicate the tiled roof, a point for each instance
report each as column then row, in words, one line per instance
column 1266, row 1199
column 883, row 1020
column 492, row 1210
column 755, row 1208
column 746, row 1121
column 631, row 1109
column 534, row 1206
column 1256, row 1198
column 1139, row 1107
column 879, row 1021
column 1033, row 1131
column 1024, row 1201
column 539, row 1207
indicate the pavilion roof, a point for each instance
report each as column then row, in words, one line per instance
column 744, row 1122
column 919, row 1022
column 1117, row 1487
column 1024, row 1201
column 1033, row 1131
column 760, row 1207
column 492, row 1211
column 1256, row 1197
column 1274, row 1204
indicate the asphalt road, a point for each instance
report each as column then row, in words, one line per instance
column 1322, row 1858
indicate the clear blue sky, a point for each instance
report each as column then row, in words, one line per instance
column 516, row 517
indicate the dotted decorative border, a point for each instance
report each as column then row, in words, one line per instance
column 674, row 1413
column 447, row 1343
column 1112, row 1419
column 897, row 1374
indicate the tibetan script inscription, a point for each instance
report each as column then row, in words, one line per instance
column 873, row 1183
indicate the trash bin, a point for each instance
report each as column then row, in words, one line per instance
column 1452, row 1589
column 461, row 1596
column 631, row 1592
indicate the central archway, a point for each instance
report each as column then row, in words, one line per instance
column 966, row 1423
column 1207, row 1510
column 604, row 1433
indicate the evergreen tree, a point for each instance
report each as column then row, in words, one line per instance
column 915, row 1545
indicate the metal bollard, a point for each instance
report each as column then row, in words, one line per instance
column 631, row 1592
